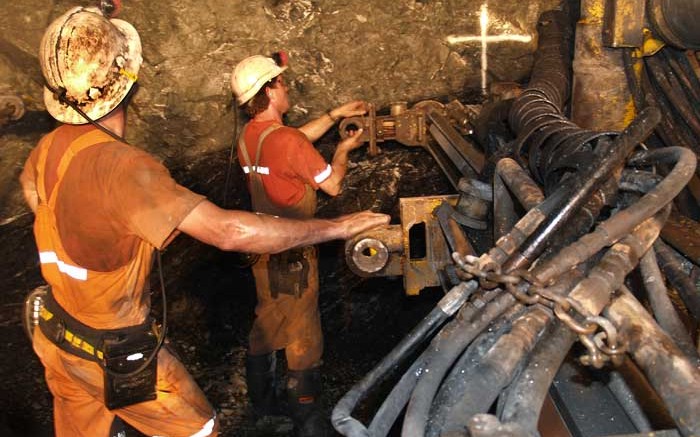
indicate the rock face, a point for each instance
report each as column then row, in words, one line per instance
column 339, row 50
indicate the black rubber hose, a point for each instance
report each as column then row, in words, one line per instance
column 675, row 378
column 674, row 93
column 581, row 186
column 495, row 369
column 678, row 279
column 448, row 305
column 662, row 307
column 395, row 402
column 452, row 388
column 624, row 221
column 522, row 401
column 446, row 348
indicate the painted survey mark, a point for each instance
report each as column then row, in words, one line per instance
column 485, row 39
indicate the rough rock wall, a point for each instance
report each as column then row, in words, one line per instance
column 379, row 51
column 339, row 50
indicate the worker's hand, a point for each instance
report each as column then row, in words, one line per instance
column 350, row 109
column 360, row 222
column 352, row 142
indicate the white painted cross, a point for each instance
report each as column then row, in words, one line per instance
column 485, row 38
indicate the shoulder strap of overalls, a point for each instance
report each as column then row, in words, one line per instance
column 41, row 165
column 244, row 148
column 86, row 140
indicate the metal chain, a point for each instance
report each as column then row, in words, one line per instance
column 596, row 333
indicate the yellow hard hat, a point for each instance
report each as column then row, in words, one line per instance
column 90, row 59
column 251, row 74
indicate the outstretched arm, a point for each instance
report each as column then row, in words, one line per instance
column 316, row 128
column 244, row 231
column 334, row 184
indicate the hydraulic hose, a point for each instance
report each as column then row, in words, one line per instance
column 445, row 349
column 446, row 307
column 678, row 279
column 395, row 402
column 583, row 185
column 663, row 310
column 669, row 371
column 621, row 223
column 453, row 387
column 522, row 401
column 625, row 397
column 398, row 397
column 593, row 293
column 508, row 178
column 496, row 368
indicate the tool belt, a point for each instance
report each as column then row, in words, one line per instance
column 128, row 356
column 288, row 271
column 76, row 338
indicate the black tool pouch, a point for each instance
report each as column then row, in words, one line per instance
column 121, row 352
column 124, row 354
column 288, row 272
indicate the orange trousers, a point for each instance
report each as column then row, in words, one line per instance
column 180, row 409
column 288, row 322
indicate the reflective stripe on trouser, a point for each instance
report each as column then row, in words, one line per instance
column 287, row 322
column 180, row 410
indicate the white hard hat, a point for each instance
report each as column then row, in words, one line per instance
column 251, row 74
column 94, row 60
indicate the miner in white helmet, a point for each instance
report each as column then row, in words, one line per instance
column 284, row 172
column 103, row 209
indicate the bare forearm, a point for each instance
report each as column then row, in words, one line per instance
column 340, row 164
column 316, row 128
column 334, row 184
column 244, row 231
column 261, row 233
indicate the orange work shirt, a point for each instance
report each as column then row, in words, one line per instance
column 114, row 203
column 288, row 162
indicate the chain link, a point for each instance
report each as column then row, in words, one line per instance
column 596, row 333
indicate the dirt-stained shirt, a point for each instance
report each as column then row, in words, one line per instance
column 112, row 196
column 97, row 229
column 288, row 162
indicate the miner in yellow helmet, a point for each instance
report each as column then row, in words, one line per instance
column 103, row 209
column 284, row 172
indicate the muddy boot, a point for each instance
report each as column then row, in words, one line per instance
column 260, row 378
column 303, row 394
column 118, row 429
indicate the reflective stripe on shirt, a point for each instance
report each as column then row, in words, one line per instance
column 258, row 169
column 325, row 174
column 74, row 272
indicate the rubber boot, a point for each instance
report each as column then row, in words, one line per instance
column 303, row 394
column 260, row 378
column 118, row 429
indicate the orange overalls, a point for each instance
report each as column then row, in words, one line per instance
column 286, row 321
column 116, row 299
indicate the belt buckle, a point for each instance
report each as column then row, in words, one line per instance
column 60, row 334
